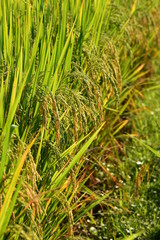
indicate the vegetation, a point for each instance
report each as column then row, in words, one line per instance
column 79, row 124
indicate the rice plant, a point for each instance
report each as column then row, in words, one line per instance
column 69, row 71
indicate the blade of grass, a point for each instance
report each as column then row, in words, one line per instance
column 12, row 185
column 76, row 158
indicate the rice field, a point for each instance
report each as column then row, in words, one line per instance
column 79, row 99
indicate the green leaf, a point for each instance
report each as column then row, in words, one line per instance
column 133, row 236
column 76, row 158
